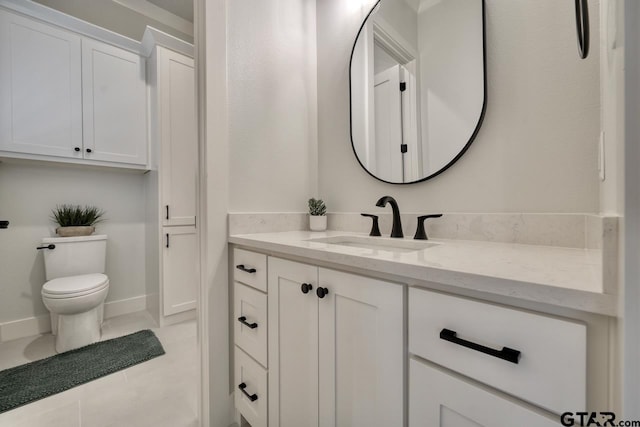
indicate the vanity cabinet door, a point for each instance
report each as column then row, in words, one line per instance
column 40, row 88
column 180, row 269
column 178, row 139
column 293, row 344
column 361, row 351
column 438, row 399
column 114, row 104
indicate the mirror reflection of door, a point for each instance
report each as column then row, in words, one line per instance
column 394, row 145
column 417, row 86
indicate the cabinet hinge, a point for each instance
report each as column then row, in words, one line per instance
column 403, row 148
column 403, row 86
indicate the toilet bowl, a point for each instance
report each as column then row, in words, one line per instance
column 76, row 305
column 76, row 289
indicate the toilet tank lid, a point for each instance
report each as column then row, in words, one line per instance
column 74, row 239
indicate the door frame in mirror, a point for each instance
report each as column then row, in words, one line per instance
column 480, row 118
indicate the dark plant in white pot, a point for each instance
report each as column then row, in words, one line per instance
column 76, row 220
column 317, row 215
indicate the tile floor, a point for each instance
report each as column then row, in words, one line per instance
column 161, row 392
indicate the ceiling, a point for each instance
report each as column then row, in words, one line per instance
column 182, row 8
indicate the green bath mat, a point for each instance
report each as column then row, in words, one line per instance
column 36, row 380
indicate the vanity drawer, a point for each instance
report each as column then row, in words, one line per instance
column 250, row 268
column 250, row 313
column 551, row 368
column 438, row 398
column 250, row 389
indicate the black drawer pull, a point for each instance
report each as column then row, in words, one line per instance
column 245, row 269
column 322, row 292
column 51, row 247
column 306, row 287
column 243, row 320
column 252, row 397
column 508, row 354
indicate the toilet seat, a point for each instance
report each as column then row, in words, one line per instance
column 75, row 286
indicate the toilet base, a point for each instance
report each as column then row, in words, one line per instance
column 54, row 319
column 77, row 330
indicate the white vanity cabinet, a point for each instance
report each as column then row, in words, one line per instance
column 68, row 98
column 335, row 348
column 344, row 349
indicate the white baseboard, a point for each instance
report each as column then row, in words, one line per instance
column 42, row 324
column 125, row 306
column 178, row 318
column 25, row 327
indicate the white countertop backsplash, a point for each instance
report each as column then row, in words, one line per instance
column 557, row 267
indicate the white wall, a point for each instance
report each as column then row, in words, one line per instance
column 272, row 104
column 537, row 149
column 28, row 192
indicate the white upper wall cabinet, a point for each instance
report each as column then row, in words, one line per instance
column 114, row 104
column 178, row 139
column 68, row 98
column 40, row 88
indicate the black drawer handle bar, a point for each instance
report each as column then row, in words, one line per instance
column 50, row 247
column 245, row 269
column 508, row 354
column 252, row 397
column 243, row 320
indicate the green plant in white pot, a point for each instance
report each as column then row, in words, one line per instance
column 76, row 220
column 317, row 215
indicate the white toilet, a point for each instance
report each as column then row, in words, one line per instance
column 76, row 288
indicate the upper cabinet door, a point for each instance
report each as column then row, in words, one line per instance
column 114, row 104
column 179, row 141
column 40, row 88
column 361, row 366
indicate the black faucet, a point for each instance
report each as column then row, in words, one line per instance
column 396, row 230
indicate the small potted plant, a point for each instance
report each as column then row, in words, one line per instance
column 75, row 220
column 317, row 215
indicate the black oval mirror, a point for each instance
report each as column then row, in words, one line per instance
column 417, row 87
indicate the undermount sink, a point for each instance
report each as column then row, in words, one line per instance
column 376, row 243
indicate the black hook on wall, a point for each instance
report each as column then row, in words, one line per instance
column 582, row 26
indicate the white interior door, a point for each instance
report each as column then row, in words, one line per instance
column 412, row 158
column 114, row 104
column 40, row 88
column 293, row 345
column 181, row 268
column 361, row 352
column 388, row 125
column 179, row 170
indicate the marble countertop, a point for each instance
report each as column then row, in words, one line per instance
column 565, row 277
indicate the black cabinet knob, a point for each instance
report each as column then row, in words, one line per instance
column 76, row 149
column 306, row 287
column 89, row 150
column 321, row 292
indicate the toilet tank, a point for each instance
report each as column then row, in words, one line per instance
column 73, row 256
